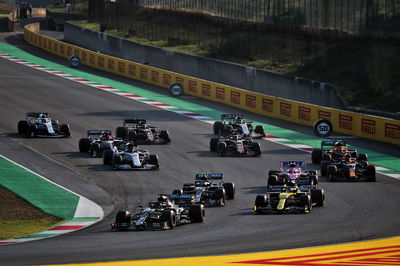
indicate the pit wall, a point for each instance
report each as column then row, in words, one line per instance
column 345, row 122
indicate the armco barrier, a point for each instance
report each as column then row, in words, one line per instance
column 366, row 126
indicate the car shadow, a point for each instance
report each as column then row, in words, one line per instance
column 255, row 190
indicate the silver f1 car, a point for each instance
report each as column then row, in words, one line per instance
column 209, row 189
column 165, row 213
column 41, row 125
column 132, row 158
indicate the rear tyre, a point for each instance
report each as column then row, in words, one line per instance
column 260, row 202
column 164, row 134
column 313, row 180
column 218, row 125
column 32, row 131
column 272, row 181
column 23, row 127
column 259, row 130
column 332, row 170
column 107, row 157
column 318, row 197
column 84, row 145
column 371, row 173
column 64, row 130
column 117, row 160
column 169, row 216
column 257, row 149
column 121, row 132
column 324, row 167
column 305, row 201
column 362, row 157
column 214, row 144
column 230, row 190
column 221, row 148
column 196, row 213
column 316, row 156
column 153, row 159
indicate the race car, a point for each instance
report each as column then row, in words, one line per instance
column 98, row 141
column 41, row 125
column 337, row 150
column 238, row 126
column 289, row 198
column 132, row 158
column 292, row 171
column 235, row 145
column 162, row 214
column 350, row 169
column 139, row 131
column 209, row 189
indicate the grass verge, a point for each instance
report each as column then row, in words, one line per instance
column 18, row 217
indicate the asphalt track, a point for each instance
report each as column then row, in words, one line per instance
column 354, row 211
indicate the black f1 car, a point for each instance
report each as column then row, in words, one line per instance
column 165, row 213
column 238, row 126
column 235, row 145
column 132, row 158
column 209, row 189
column 98, row 141
column 292, row 171
column 289, row 198
column 41, row 125
column 350, row 169
column 337, row 150
column 139, row 131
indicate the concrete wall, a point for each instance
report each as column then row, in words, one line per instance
column 231, row 74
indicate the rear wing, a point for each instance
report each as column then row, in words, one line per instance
column 231, row 116
column 134, row 121
column 98, row 132
column 300, row 164
column 214, row 176
column 181, row 196
column 36, row 115
column 325, row 143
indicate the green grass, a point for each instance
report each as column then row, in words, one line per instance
column 18, row 228
column 79, row 8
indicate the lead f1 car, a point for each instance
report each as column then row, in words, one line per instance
column 132, row 158
column 289, row 198
column 165, row 213
column 209, row 189
column 235, row 145
column 41, row 125
column 238, row 126
column 140, row 132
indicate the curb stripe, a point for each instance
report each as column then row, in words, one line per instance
column 206, row 119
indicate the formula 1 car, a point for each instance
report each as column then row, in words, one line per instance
column 139, row 131
column 98, row 141
column 338, row 150
column 289, row 199
column 162, row 214
column 235, row 145
column 41, row 125
column 132, row 158
column 350, row 169
column 292, row 171
column 209, row 189
column 238, row 126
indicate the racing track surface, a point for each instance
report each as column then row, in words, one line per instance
column 353, row 211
